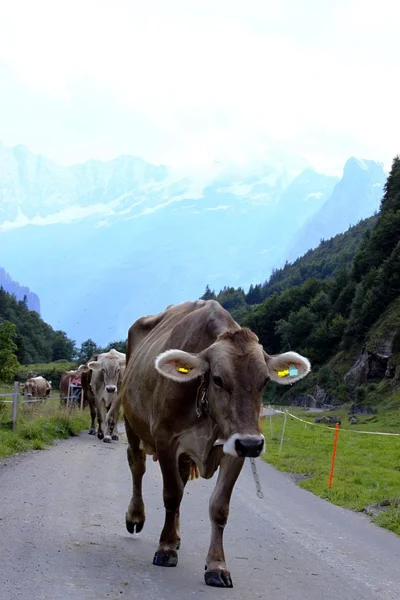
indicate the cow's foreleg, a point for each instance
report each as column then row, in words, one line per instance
column 100, row 417
column 92, row 408
column 216, row 573
column 112, row 420
column 135, row 515
column 167, row 555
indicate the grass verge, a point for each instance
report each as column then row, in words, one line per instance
column 367, row 467
column 38, row 425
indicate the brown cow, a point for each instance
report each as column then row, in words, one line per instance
column 64, row 381
column 106, row 376
column 88, row 396
column 191, row 397
column 37, row 387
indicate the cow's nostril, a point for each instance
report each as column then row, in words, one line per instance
column 249, row 447
column 111, row 388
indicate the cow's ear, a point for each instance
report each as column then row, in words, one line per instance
column 288, row 367
column 95, row 365
column 82, row 369
column 180, row 366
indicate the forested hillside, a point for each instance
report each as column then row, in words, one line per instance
column 25, row 339
column 36, row 341
column 337, row 305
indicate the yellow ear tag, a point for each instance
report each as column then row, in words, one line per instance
column 291, row 371
column 183, row 370
column 283, row 373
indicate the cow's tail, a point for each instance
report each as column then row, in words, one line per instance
column 194, row 471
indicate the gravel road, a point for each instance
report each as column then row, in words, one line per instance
column 62, row 535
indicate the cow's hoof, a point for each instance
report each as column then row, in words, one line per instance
column 92, row 432
column 133, row 526
column 100, row 436
column 115, row 437
column 165, row 558
column 107, row 439
column 218, row 579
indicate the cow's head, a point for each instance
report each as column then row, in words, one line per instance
column 238, row 371
column 30, row 389
column 111, row 365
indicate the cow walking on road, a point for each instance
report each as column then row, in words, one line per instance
column 191, row 397
column 105, row 379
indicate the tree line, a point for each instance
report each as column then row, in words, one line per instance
column 26, row 339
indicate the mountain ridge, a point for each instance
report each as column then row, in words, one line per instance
column 19, row 291
column 159, row 236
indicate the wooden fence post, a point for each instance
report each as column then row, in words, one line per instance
column 15, row 399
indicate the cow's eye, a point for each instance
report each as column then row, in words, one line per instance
column 218, row 381
column 265, row 383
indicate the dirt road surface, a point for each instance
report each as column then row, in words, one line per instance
column 62, row 536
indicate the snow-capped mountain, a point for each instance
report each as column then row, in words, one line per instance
column 103, row 243
column 355, row 197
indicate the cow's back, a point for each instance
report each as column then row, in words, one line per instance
column 191, row 326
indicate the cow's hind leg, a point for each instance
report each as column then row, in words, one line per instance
column 186, row 469
column 135, row 515
column 217, row 574
column 167, row 555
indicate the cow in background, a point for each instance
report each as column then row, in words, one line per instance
column 85, row 375
column 106, row 377
column 37, row 387
column 64, row 384
column 48, row 388
column 88, row 396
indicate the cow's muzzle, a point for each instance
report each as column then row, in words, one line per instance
column 243, row 446
column 111, row 388
column 249, row 447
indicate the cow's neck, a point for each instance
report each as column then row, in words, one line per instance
column 202, row 406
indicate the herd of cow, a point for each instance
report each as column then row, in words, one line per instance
column 190, row 387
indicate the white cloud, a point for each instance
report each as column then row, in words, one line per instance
column 223, row 79
column 221, row 207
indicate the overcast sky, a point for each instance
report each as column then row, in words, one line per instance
column 185, row 82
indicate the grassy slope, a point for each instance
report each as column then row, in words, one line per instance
column 38, row 424
column 367, row 468
column 59, row 366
